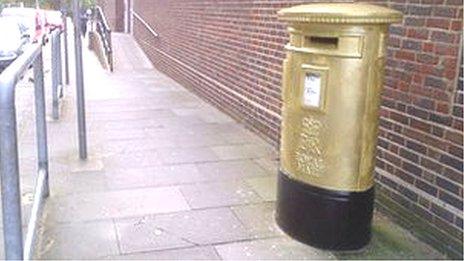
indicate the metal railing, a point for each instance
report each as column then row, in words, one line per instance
column 9, row 160
column 104, row 30
column 57, row 72
column 144, row 23
column 65, row 43
column 15, row 247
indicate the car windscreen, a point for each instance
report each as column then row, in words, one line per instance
column 23, row 16
column 11, row 37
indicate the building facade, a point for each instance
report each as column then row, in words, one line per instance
column 230, row 53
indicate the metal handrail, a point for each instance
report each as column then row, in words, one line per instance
column 9, row 159
column 65, row 43
column 57, row 72
column 104, row 30
column 144, row 23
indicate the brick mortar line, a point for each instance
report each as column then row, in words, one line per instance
column 457, row 78
column 420, row 155
column 434, row 216
column 416, row 153
column 407, row 126
column 434, row 124
column 421, row 193
column 237, row 60
column 415, row 177
column 263, row 89
column 412, row 94
column 418, row 96
column 421, row 167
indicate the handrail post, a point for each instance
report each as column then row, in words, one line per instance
column 41, row 123
column 42, row 189
column 60, row 64
column 79, row 83
column 9, row 169
column 110, row 51
column 55, row 76
column 66, row 54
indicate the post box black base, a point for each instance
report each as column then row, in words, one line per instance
column 326, row 219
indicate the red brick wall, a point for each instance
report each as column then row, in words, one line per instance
column 421, row 142
column 230, row 52
column 119, row 22
column 114, row 12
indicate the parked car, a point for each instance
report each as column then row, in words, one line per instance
column 14, row 39
column 33, row 19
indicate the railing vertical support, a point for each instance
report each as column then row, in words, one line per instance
column 66, row 54
column 42, row 190
column 9, row 169
column 103, row 29
column 79, row 82
column 60, row 65
column 41, row 123
column 110, row 52
column 55, row 74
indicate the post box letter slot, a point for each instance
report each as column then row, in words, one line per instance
column 322, row 42
column 350, row 46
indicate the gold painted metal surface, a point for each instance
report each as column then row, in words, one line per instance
column 339, row 13
column 332, row 81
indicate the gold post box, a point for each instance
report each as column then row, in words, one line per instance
column 332, row 81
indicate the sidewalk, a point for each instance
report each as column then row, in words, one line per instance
column 170, row 177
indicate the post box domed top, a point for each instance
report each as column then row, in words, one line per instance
column 340, row 13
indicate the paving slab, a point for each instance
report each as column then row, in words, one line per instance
column 181, row 174
column 133, row 159
column 265, row 187
column 141, row 236
column 231, row 170
column 198, row 227
column 217, row 194
column 271, row 249
column 113, row 204
column 186, row 155
column 271, row 166
column 154, row 176
column 94, row 240
column 77, row 182
column 247, row 151
column 258, row 219
column 191, row 253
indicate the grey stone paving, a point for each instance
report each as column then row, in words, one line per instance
column 169, row 177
